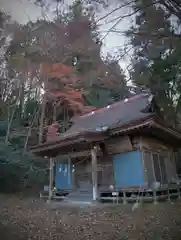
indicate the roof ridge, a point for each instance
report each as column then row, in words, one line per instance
column 99, row 110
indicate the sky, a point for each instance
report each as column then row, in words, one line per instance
column 24, row 10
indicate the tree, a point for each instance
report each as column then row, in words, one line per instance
column 63, row 58
column 19, row 169
column 58, row 45
column 156, row 62
column 173, row 6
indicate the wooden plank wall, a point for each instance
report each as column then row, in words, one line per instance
column 171, row 167
column 83, row 173
column 151, row 145
column 154, row 145
column 119, row 145
column 149, row 170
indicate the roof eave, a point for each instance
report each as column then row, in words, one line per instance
column 150, row 123
column 128, row 128
column 168, row 130
column 136, row 124
column 79, row 139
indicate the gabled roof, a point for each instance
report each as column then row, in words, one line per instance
column 117, row 114
column 107, row 118
column 131, row 114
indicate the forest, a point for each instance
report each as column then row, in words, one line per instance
column 54, row 69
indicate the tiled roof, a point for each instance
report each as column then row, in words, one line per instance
column 115, row 115
column 98, row 125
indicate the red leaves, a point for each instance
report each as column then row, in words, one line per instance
column 55, row 70
column 74, row 99
column 53, row 132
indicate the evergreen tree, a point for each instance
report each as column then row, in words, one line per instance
column 156, row 62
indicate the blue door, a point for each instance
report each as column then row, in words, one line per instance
column 128, row 170
column 63, row 176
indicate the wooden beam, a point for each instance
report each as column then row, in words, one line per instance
column 69, row 170
column 79, row 154
column 94, row 173
column 143, row 162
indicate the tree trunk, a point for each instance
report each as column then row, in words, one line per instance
column 43, row 108
column 11, row 118
column 41, row 127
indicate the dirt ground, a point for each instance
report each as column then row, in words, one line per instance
column 34, row 219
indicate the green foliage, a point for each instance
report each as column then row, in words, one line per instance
column 99, row 97
column 157, row 59
column 72, row 36
column 19, row 170
column 30, row 107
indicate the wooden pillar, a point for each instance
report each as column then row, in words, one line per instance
column 50, row 178
column 94, row 173
column 69, row 170
column 143, row 163
column 124, row 197
column 54, row 112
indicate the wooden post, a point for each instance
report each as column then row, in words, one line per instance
column 69, row 170
column 54, row 111
column 124, row 197
column 50, row 179
column 143, row 162
column 155, row 196
column 94, row 174
column 178, row 189
column 169, row 199
column 53, row 173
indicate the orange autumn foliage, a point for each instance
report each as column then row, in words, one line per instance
column 74, row 99
column 55, row 70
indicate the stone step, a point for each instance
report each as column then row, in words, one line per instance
column 80, row 195
column 81, row 192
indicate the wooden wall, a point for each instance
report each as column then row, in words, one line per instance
column 82, row 177
column 152, row 147
column 148, row 146
column 119, row 145
column 171, row 167
column 83, row 173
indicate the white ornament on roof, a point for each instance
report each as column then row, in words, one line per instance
column 150, row 98
column 102, row 128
